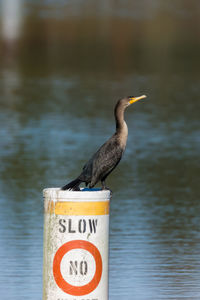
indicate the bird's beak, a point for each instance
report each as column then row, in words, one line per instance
column 134, row 99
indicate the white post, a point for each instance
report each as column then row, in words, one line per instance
column 76, row 231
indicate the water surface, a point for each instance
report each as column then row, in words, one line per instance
column 63, row 66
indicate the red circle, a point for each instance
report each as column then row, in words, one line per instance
column 72, row 289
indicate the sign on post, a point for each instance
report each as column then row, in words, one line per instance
column 76, row 229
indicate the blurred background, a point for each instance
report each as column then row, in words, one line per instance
column 63, row 66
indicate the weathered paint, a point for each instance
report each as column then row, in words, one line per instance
column 76, row 229
column 86, row 208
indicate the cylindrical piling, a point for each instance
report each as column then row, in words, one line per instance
column 76, row 232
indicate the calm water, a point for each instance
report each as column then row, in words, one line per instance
column 63, row 65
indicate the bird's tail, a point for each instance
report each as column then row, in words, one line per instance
column 73, row 185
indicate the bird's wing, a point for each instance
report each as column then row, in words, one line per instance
column 86, row 174
column 105, row 160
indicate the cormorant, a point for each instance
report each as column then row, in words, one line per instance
column 103, row 162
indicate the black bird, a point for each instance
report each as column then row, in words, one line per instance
column 103, row 162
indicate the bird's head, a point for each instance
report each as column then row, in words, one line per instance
column 125, row 102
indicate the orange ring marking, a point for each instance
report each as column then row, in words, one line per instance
column 64, row 285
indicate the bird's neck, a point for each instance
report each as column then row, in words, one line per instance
column 121, row 127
